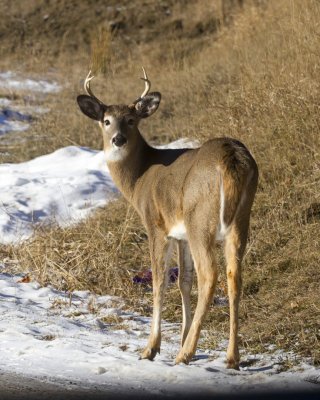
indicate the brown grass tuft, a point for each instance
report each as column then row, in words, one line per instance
column 102, row 54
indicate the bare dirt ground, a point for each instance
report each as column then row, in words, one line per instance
column 13, row 386
column 18, row 387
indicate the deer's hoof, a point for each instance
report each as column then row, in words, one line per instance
column 149, row 353
column 183, row 358
column 231, row 364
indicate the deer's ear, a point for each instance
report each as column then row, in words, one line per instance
column 90, row 107
column 148, row 105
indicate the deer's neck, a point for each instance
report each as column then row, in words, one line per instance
column 126, row 172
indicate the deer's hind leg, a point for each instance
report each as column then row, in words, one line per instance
column 235, row 242
column 202, row 242
column 185, row 285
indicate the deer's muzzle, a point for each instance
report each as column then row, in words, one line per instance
column 119, row 140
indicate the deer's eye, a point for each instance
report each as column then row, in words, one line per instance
column 107, row 122
column 131, row 121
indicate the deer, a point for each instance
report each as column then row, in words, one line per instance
column 190, row 198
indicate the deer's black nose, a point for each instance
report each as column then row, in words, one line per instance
column 119, row 140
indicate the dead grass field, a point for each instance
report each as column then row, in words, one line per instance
column 250, row 72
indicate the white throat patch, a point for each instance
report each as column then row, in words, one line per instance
column 114, row 153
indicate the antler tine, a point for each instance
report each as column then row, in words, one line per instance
column 147, row 83
column 87, row 87
column 147, row 86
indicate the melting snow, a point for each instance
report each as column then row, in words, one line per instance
column 11, row 80
column 16, row 117
column 13, row 121
column 65, row 186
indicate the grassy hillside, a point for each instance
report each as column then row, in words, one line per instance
column 246, row 69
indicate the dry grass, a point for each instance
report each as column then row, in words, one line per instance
column 102, row 55
column 255, row 79
column 91, row 255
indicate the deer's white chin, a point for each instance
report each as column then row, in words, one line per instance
column 114, row 153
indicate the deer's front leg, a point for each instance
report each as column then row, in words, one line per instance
column 160, row 251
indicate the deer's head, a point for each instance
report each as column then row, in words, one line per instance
column 119, row 123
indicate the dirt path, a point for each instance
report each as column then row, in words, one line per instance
column 13, row 386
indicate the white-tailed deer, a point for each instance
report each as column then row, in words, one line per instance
column 192, row 196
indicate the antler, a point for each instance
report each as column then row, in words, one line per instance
column 144, row 93
column 87, row 87
column 147, row 87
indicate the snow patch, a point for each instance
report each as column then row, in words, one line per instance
column 64, row 186
column 13, row 121
column 12, row 81
column 183, row 143
column 14, row 117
